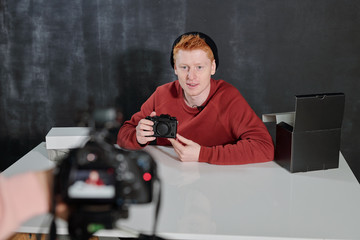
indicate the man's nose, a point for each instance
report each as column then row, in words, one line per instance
column 191, row 73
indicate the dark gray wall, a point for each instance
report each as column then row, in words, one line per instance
column 57, row 56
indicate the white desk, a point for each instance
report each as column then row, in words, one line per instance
column 256, row 201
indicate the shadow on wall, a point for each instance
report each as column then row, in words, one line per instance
column 139, row 73
column 11, row 149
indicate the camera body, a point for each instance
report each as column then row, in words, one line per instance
column 98, row 174
column 99, row 182
column 164, row 126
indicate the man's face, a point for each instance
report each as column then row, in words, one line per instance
column 194, row 70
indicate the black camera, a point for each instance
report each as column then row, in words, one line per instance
column 164, row 126
column 99, row 181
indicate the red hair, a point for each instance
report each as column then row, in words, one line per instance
column 193, row 42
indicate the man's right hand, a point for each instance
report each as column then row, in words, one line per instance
column 144, row 130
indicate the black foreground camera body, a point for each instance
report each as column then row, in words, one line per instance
column 164, row 126
column 98, row 182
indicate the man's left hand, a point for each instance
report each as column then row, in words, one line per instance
column 187, row 150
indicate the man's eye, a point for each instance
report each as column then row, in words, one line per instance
column 199, row 67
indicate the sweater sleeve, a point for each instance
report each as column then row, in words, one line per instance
column 127, row 134
column 253, row 145
column 21, row 197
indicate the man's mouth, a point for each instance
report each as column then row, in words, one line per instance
column 192, row 85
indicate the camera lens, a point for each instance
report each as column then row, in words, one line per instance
column 162, row 129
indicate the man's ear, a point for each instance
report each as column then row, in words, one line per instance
column 175, row 70
column 213, row 67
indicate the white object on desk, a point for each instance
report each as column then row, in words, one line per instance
column 254, row 201
column 60, row 140
column 67, row 137
column 288, row 117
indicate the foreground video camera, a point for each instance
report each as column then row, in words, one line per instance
column 98, row 182
column 164, row 126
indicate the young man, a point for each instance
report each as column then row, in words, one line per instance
column 216, row 124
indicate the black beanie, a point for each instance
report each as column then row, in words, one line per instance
column 208, row 41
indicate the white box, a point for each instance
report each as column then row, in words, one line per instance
column 288, row 117
column 60, row 140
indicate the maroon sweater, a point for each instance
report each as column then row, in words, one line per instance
column 227, row 129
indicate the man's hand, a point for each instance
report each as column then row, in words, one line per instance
column 144, row 130
column 187, row 150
